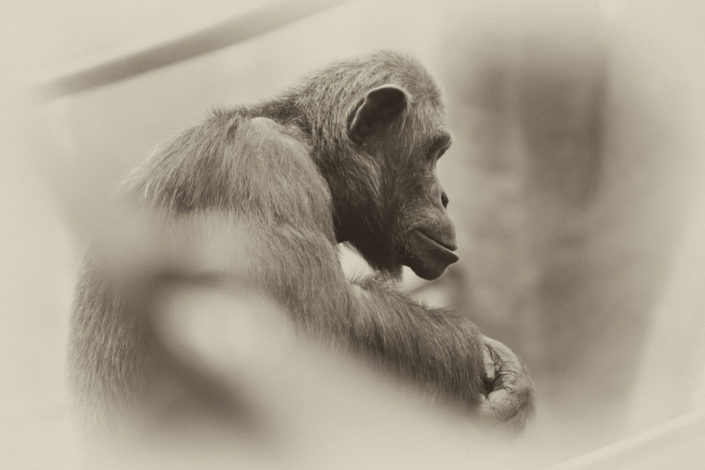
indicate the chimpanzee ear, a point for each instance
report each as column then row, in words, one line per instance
column 379, row 107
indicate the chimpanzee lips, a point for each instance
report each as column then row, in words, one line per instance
column 448, row 245
column 429, row 255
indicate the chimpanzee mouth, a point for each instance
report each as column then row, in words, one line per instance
column 427, row 256
column 446, row 245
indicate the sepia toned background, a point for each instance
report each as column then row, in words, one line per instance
column 575, row 181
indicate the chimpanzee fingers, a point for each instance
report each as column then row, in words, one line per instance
column 510, row 400
column 506, row 409
column 508, row 368
column 489, row 364
column 498, row 406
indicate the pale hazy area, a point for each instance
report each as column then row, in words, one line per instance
column 576, row 183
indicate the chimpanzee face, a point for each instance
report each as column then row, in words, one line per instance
column 406, row 139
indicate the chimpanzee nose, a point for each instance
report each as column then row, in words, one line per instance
column 444, row 199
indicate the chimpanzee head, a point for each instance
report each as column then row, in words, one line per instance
column 378, row 134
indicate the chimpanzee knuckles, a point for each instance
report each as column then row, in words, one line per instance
column 378, row 108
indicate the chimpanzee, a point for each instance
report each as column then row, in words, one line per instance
column 347, row 155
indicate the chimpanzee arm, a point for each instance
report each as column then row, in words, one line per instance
column 437, row 347
column 441, row 350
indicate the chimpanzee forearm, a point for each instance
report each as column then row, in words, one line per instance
column 438, row 348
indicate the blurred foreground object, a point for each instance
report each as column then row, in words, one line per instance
column 300, row 405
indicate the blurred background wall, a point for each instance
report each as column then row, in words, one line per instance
column 575, row 179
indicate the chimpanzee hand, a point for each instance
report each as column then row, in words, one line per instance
column 509, row 399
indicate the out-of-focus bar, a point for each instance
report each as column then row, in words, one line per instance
column 164, row 51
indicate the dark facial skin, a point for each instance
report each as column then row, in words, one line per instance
column 429, row 239
column 404, row 138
